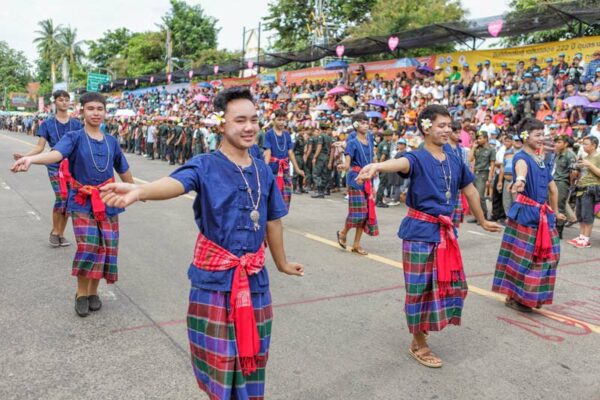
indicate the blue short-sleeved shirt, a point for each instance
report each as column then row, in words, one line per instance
column 536, row 188
column 279, row 146
column 256, row 153
column 427, row 191
column 106, row 153
column 53, row 130
column 360, row 156
column 222, row 211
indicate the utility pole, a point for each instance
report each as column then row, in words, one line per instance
column 258, row 51
column 169, row 47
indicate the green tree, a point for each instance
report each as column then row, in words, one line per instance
column 109, row 46
column 549, row 35
column 48, row 44
column 69, row 46
column 296, row 23
column 145, row 53
column 15, row 71
column 192, row 30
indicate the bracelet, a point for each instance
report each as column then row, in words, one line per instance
column 521, row 178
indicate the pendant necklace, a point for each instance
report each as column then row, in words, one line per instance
column 447, row 179
column 254, row 214
column 539, row 160
column 56, row 127
column 92, row 153
column 277, row 141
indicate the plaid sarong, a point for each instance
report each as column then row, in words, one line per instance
column 458, row 215
column 213, row 345
column 519, row 274
column 425, row 309
column 287, row 189
column 60, row 201
column 97, row 246
column 358, row 212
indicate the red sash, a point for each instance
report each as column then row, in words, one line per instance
column 448, row 259
column 284, row 167
column 93, row 192
column 543, row 239
column 370, row 197
column 209, row 256
column 64, row 177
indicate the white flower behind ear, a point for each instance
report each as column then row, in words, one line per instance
column 218, row 118
column 426, row 123
column 524, row 135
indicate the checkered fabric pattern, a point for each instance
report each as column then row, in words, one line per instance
column 519, row 274
column 358, row 212
column 213, row 346
column 60, row 202
column 458, row 215
column 287, row 189
column 425, row 309
column 97, row 247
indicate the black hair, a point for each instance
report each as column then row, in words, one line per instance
column 60, row 93
column 456, row 126
column 280, row 113
column 90, row 97
column 360, row 116
column 529, row 124
column 228, row 95
column 431, row 112
column 592, row 139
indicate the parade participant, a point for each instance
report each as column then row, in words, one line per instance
column 564, row 162
column 483, row 156
column 51, row 131
column 453, row 146
column 433, row 270
column 505, row 176
column 299, row 149
column 229, row 335
column 530, row 249
column 587, row 191
column 361, row 199
column 279, row 151
column 384, row 151
column 311, row 147
column 322, row 162
column 93, row 158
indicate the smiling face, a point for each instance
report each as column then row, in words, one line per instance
column 440, row 130
column 94, row 113
column 241, row 124
column 535, row 141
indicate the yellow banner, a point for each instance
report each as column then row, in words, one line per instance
column 586, row 46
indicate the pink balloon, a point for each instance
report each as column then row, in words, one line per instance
column 168, row 78
column 393, row 42
column 339, row 50
column 151, row 79
column 125, row 82
column 136, row 82
column 495, row 27
column 216, row 69
column 250, row 64
column 190, row 74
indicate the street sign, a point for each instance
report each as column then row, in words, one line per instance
column 94, row 81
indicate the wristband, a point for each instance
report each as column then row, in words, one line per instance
column 521, row 178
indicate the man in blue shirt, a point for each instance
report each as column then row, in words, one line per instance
column 590, row 71
column 51, row 131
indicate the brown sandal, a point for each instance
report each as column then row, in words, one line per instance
column 425, row 356
column 359, row 251
column 340, row 242
column 515, row 305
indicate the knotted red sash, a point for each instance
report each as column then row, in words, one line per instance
column 284, row 167
column 209, row 256
column 93, row 192
column 64, row 177
column 448, row 259
column 370, row 197
column 543, row 239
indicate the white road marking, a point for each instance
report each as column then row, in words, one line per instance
column 34, row 215
column 5, row 186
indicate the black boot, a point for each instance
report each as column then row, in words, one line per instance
column 319, row 195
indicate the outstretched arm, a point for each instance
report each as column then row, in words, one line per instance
column 23, row 163
column 394, row 165
column 124, row 194
column 39, row 147
column 275, row 241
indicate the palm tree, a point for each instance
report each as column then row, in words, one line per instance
column 47, row 44
column 69, row 46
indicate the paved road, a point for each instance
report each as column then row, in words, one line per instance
column 339, row 332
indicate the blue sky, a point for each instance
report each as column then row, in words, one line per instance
column 92, row 18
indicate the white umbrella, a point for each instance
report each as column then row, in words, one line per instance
column 125, row 112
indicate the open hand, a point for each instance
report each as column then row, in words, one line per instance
column 21, row 165
column 292, row 268
column 367, row 173
column 119, row 194
column 491, row 226
column 16, row 156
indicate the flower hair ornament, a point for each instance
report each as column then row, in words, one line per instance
column 524, row 135
column 218, row 117
column 426, row 123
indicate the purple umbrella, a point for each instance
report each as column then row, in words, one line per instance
column 373, row 114
column 378, row 103
column 323, row 107
column 425, row 70
column 577, row 101
column 338, row 90
column 593, row 106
